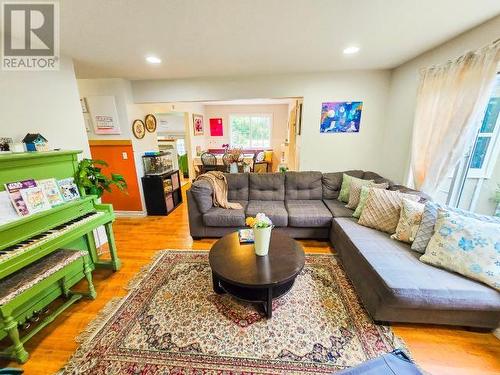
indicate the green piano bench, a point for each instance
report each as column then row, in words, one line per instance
column 25, row 295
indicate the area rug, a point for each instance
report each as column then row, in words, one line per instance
column 172, row 322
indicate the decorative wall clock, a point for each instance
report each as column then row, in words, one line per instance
column 150, row 121
column 139, row 129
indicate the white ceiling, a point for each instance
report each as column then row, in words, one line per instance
column 202, row 38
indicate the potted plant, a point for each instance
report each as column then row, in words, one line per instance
column 89, row 177
column 262, row 227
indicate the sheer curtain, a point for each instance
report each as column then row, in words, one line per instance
column 450, row 101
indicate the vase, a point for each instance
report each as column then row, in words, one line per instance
column 262, row 237
column 233, row 168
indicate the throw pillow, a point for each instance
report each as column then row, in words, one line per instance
column 355, row 191
column 409, row 221
column 467, row 246
column 382, row 209
column 362, row 201
column 426, row 228
column 344, row 188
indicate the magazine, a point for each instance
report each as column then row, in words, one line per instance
column 68, row 189
column 51, row 191
column 14, row 190
column 35, row 199
column 246, row 235
column 7, row 211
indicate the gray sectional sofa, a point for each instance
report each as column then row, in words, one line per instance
column 392, row 283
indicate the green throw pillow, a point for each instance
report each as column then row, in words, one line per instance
column 362, row 201
column 345, row 188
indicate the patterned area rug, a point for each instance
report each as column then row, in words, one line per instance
column 172, row 322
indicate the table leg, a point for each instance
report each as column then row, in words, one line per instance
column 269, row 303
column 216, row 285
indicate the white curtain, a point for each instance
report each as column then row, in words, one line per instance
column 451, row 100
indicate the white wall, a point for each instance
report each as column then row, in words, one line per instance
column 279, row 133
column 323, row 152
column 403, row 90
column 45, row 102
column 127, row 111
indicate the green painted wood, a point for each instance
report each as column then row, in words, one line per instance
column 37, row 165
column 22, row 306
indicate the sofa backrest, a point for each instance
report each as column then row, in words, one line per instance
column 303, row 185
column 333, row 181
column 267, row 186
column 237, row 186
column 378, row 179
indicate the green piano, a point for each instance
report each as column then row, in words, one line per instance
column 42, row 256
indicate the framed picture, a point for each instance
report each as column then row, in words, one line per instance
column 150, row 121
column 197, row 124
column 139, row 129
column 340, row 117
column 216, row 129
column 103, row 114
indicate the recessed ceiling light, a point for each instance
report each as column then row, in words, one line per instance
column 153, row 60
column 350, row 50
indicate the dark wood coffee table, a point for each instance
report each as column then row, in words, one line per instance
column 249, row 277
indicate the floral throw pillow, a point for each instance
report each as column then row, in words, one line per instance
column 409, row 221
column 467, row 246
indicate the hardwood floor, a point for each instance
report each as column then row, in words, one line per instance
column 439, row 350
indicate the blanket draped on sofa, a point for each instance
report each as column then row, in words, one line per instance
column 219, row 187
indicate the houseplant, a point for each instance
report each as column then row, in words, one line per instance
column 90, row 178
column 262, row 227
column 234, row 157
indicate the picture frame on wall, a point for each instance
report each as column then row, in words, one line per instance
column 340, row 117
column 139, row 129
column 198, row 124
column 150, row 122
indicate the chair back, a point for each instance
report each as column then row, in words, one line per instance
column 208, row 159
column 259, row 157
column 226, row 159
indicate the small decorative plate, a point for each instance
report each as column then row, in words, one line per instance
column 150, row 121
column 139, row 129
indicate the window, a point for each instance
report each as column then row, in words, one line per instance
column 485, row 149
column 474, row 181
column 251, row 131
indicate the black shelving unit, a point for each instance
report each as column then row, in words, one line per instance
column 162, row 192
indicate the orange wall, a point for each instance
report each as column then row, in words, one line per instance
column 111, row 152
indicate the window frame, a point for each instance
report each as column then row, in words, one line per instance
column 251, row 114
column 486, row 169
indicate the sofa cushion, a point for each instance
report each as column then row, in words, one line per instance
column 337, row 208
column 382, row 209
column 426, row 228
column 267, row 187
column 275, row 210
column 237, row 185
column 223, row 217
column 333, row 181
column 202, row 193
column 378, row 179
column 467, row 246
column 396, row 278
column 303, row 185
column 308, row 213
column 355, row 191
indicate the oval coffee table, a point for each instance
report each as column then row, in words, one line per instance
column 249, row 277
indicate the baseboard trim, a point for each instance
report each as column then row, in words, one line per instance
column 130, row 213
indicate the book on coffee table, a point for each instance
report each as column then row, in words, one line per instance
column 245, row 235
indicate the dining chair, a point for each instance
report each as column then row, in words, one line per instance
column 259, row 163
column 226, row 160
column 209, row 162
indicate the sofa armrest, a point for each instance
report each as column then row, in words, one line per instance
column 202, row 193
